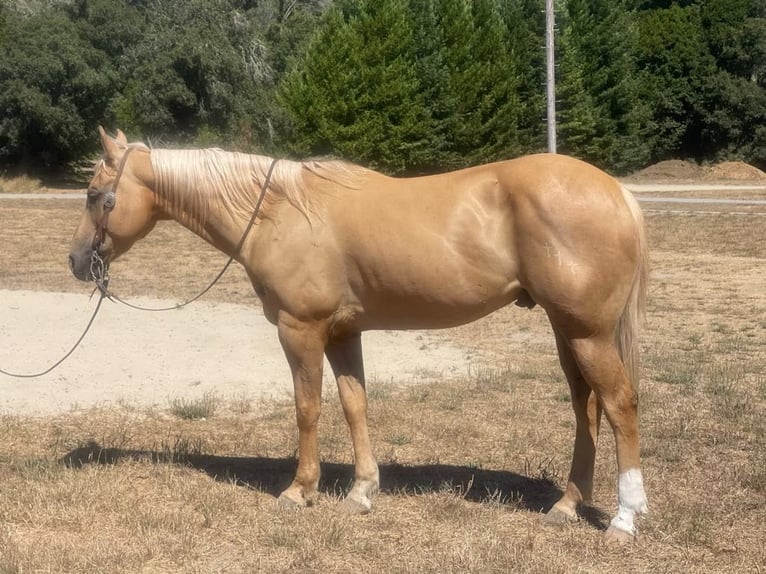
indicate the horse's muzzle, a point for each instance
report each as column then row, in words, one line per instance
column 79, row 265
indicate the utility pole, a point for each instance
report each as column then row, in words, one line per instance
column 550, row 76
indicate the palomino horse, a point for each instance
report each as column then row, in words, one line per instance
column 338, row 249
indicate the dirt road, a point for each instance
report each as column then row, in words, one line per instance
column 151, row 358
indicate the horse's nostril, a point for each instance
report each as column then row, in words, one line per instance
column 71, row 263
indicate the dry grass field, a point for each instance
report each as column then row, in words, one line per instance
column 467, row 465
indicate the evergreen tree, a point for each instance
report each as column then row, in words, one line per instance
column 601, row 116
column 482, row 82
column 525, row 23
column 3, row 25
column 676, row 68
column 734, row 97
column 356, row 92
column 435, row 89
column 497, row 105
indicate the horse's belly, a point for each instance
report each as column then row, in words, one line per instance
column 432, row 309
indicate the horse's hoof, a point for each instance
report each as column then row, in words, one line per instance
column 290, row 501
column 618, row 536
column 557, row 517
column 354, row 505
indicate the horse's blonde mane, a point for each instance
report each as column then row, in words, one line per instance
column 195, row 180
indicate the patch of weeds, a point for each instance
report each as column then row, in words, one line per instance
column 180, row 451
column 677, row 376
column 35, row 469
column 488, row 378
column 496, row 498
column 755, row 475
column 451, row 400
column 527, row 374
column 724, row 385
column 242, row 404
column 680, row 426
column 378, row 392
column 664, row 450
column 720, row 328
column 418, row 394
column 676, row 368
column 200, row 408
column 731, row 345
column 399, row 439
column 694, row 529
column 694, row 340
column 335, row 534
column 284, row 533
column 543, row 470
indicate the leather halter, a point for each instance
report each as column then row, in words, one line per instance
column 110, row 199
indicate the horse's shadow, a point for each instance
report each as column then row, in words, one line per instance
column 272, row 475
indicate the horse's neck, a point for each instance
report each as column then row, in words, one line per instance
column 218, row 226
column 207, row 191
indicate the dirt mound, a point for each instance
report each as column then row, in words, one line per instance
column 673, row 170
column 676, row 170
column 735, row 170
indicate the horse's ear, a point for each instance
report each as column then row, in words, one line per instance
column 113, row 148
column 121, row 137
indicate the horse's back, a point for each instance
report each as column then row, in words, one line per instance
column 446, row 249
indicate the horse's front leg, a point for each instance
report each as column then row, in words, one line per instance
column 303, row 344
column 345, row 356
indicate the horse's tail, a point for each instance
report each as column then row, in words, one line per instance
column 633, row 313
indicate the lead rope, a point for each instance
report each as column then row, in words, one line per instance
column 66, row 356
column 99, row 270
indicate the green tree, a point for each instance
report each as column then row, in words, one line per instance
column 54, row 88
column 435, row 88
column 482, row 81
column 701, row 66
column 199, row 74
column 676, row 68
column 291, row 24
column 356, row 92
column 525, row 23
column 601, row 114
column 3, row 24
column 112, row 26
column 497, row 105
column 734, row 97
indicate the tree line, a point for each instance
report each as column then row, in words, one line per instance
column 405, row 86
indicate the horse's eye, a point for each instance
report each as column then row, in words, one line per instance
column 93, row 195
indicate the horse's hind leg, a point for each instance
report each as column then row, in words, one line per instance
column 602, row 368
column 345, row 356
column 588, row 416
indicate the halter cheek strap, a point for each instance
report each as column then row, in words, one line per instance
column 110, row 199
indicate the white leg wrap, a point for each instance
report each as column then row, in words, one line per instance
column 632, row 499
